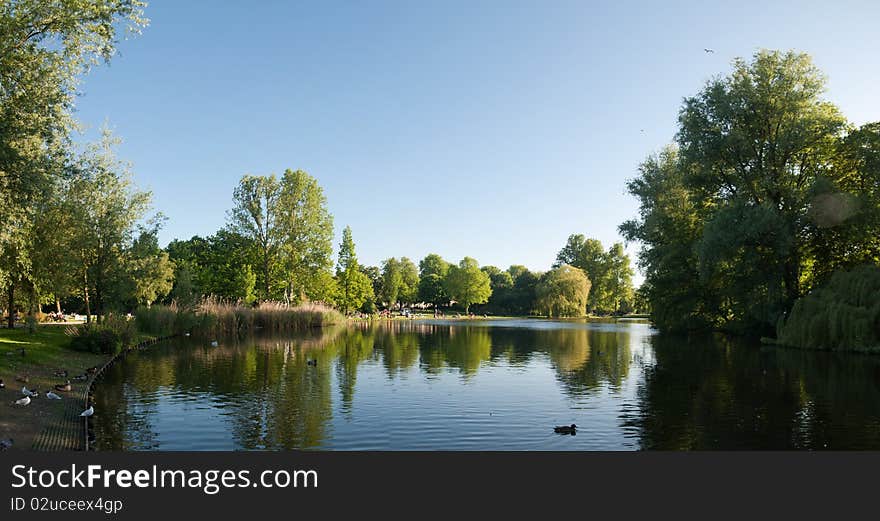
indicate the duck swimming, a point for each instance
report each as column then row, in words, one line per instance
column 566, row 429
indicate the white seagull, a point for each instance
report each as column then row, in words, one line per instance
column 23, row 401
column 25, row 391
column 214, row 343
column 52, row 396
column 88, row 412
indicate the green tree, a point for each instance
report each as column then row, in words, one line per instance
column 45, row 47
column 432, row 272
column 254, row 216
column 105, row 207
column 589, row 255
column 409, row 282
column 467, row 284
column 306, row 234
column 619, row 282
column 355, row 288
column 392, row 279
column 563, row 292
column 150, row 268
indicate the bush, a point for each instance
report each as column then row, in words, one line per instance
column 843, row 314
column 108, row 338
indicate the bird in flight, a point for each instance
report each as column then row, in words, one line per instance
column 706, row 49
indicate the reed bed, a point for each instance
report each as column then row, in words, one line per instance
column 226, row 318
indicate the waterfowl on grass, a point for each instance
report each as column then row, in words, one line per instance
column 80, row 378
column 23, row 378
column 52, row 396
column 64, row 388
column 61, row 373
column 23, row 401
column 27, row 392
column 565, row 429
column 88, row 412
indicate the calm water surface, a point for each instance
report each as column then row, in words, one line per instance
column 487, row 385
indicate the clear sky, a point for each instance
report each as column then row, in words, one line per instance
column 488, row 129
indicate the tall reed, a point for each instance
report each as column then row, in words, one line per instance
column 226, row 318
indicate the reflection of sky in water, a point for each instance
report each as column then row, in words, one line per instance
column 482, row 385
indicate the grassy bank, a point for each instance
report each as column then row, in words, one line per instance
column 45, row 352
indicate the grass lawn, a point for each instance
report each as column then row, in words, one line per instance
column 45, row 352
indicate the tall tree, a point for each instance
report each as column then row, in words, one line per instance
column 254, row 215
column 392, row 279
column 306, row 234
column 409, row 281
column 753, row 145
column 467, row 284
column 106, row 205
column 432, row 272
column 589, row 255
column 354, row 287
column 45, row 47
column 149, row 267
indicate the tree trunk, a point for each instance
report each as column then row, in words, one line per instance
column 86, row 297
column 57, row 305
column 11, row 296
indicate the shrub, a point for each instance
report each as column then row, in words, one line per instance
column 843, row 314
column 108, row 338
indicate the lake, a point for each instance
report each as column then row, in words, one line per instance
column 487, row 385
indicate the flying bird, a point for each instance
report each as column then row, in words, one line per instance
column 23, row 401
column 52, row 396
column 707, row 50
column 88, row 412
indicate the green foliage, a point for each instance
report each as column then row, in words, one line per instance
column 254, row 216
column 843, row 314
column 354, row 287
column 288, row 223
column 150, row 268
column 563, row 292
column 392, row 280
column 609, row 273
column 306, row 228
column 432, row 273
column 467, row 284
column 764, row 196
column 109, row 337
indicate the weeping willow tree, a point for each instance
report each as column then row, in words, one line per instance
column 843, row 314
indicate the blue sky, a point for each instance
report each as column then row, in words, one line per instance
column 488, row 129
